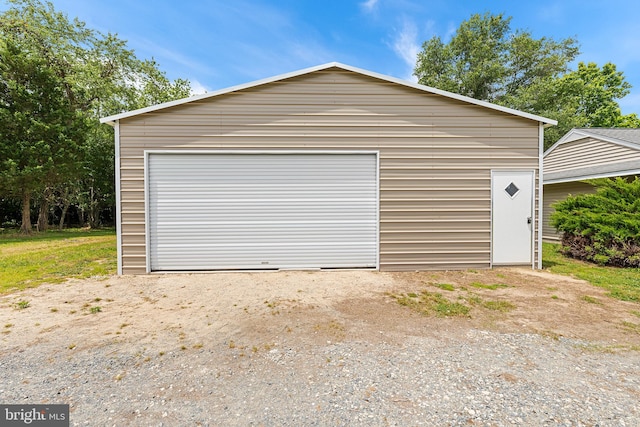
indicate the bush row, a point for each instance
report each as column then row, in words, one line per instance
column 603, row 227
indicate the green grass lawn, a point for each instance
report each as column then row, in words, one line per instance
column 54, row 256
column 622, row 283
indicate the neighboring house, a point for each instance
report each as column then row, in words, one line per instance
column 327, row 167
column 584, row 154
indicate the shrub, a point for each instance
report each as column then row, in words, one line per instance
column 603, row 227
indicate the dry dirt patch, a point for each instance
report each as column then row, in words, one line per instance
column 254, row 312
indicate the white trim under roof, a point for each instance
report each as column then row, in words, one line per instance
column 594, row 176
column 114, row 118
column 584, row 133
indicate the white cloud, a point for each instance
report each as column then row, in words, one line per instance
column 369, row 5
column 197, row 88
column 451, row 30
column 165, row 54
column 310, row 52
column 406, row 43
column 406, row 46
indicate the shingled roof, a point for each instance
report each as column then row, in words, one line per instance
column 576, row 167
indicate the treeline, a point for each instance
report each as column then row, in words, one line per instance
column 57, row 78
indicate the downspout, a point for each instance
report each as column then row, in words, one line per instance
column 118, row 197
column 540, row 190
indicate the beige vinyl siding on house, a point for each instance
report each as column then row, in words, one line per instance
column 585, row 153
column 436, row 156
column 554, row 193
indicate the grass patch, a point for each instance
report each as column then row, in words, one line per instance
column 493, row 286
column 501, row 306
column 631, row 327
column 445, row 286
column 428, row 303
column 590, row 300
column 610, row 349
column 21, row 305
column 476, row 301
column 622, row 283
column 53, row 257
column 431, row 303
column 472, row 299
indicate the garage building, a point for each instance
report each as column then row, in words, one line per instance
column 327, row 167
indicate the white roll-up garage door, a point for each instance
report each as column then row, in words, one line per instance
column 215, row 211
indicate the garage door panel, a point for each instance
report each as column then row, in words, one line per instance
column 252, row 211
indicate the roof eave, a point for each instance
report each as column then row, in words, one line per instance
column 584, row 133
column 115, row 117
column 546, row 121
column 612, row 174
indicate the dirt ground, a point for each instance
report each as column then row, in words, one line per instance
column 252, row 312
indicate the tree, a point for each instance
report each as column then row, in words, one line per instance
column 586, row 97
column 57, row 77
column 486, row 60
column 40, row 132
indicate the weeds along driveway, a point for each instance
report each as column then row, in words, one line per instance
column 314, row 348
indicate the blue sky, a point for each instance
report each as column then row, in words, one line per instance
column 220, row 43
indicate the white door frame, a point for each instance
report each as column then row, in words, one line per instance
column 533, row 211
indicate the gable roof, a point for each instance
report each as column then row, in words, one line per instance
column 628, row 137
column 625, row 137
column 112, row 119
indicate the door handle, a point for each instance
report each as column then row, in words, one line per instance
column 528, row 220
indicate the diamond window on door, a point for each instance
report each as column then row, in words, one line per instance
column 512, row 190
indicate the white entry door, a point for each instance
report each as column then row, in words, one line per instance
column 512, row 217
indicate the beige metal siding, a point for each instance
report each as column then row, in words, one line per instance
column 554, row 193
column 436, row 156
column 586, row 153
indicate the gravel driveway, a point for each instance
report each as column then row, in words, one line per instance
column 323, row 348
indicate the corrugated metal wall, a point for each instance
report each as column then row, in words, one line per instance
column 436, row 156
column 557, row 192
column 586, row 153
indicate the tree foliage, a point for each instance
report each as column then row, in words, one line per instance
column 486, row 60
column 603, row 227
column 585, row 97
column 40, row 130
column 57, row 77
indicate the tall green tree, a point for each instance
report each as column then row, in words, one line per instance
column 57, row 77
column 40, row 131
column 485, row 59
column 585, row 97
